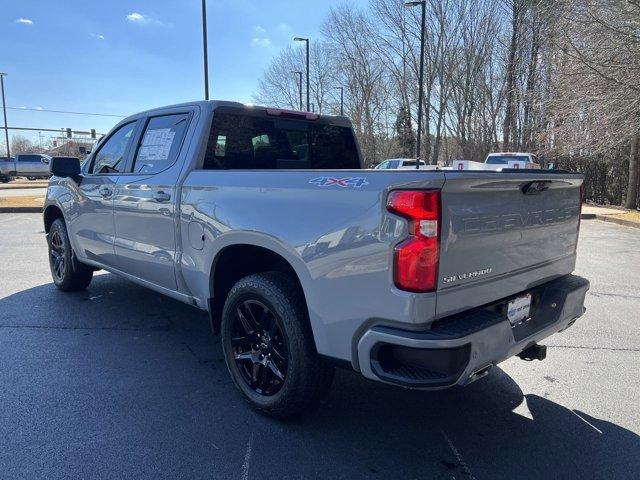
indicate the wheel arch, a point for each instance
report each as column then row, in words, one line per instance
column 51, row 213
column 236, row 261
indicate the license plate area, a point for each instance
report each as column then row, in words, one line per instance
column 519, row 309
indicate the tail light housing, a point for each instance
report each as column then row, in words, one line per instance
column 416, row 258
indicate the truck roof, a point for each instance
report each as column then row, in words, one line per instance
column 212, row 104
column 508, row 153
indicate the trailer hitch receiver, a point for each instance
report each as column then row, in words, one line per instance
column 534, row 352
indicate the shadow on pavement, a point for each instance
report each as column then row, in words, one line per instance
column 121, row 381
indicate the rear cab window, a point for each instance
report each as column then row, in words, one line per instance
column 504, row 159
column 241, row 139
column 29, row 158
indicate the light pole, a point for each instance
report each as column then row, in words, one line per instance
column 341, row 100
column 204, row 44
column 306, row 40
column 423, row 4
column 299, row 85
column 4, row 111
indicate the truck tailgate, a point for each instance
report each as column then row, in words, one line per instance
column 503, row 233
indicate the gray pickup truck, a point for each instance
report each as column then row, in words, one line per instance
column 30, row 165
column 305, row 261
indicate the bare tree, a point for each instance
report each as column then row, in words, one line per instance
column 555, row 77
column 20, row 144
column 596, row 105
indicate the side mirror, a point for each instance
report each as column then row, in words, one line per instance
column 65, row 166
column 45, row 160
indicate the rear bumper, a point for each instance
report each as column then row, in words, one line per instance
column 459, row 349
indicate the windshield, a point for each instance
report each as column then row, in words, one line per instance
column 242, row 141
column 503, row 159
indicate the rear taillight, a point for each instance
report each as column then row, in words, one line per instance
column 416, row 258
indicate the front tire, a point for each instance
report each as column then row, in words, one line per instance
column 68, row 274
column 268, row 346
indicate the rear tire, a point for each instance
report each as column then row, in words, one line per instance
column 268, row 346
column 68, row 274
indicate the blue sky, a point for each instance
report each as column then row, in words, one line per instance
column 121, row 57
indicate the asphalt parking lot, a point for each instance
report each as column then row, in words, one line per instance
column 120, row 382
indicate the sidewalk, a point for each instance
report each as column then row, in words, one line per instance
column 24, row 184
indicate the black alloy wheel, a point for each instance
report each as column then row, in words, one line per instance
column 57, row 254
column 67, row 272
column 259, row 347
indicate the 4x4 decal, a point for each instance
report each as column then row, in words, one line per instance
column 345, row 182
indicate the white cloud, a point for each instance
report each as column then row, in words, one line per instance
column 39, row 108
column 136, row 17
column 100, row 37
column 284, row 27
column 262, row 42
column 140, row 19
column 24, row 21
column 259, row 29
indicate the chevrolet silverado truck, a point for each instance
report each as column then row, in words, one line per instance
column 305, row 261
column 30, row 165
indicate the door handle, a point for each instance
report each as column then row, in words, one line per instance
column 161, row 196
column 106, row 192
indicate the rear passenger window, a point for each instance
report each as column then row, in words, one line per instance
column 160, row 143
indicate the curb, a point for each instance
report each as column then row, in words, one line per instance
column 610, row 219
column 619, row 221
column 20, row 209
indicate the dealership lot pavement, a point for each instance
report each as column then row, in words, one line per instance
column 120, row 382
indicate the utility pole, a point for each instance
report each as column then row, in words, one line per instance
column 4, row 111
column 306, row 40
column 204, row 44
column 423, row 4
column 299, row 86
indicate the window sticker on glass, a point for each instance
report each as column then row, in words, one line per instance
column 156, row 145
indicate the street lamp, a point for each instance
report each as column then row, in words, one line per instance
column 4, row 111
column 423, row 4
column 306, row 40
column 297, row 72
column 341, row 100
column 204, row 44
